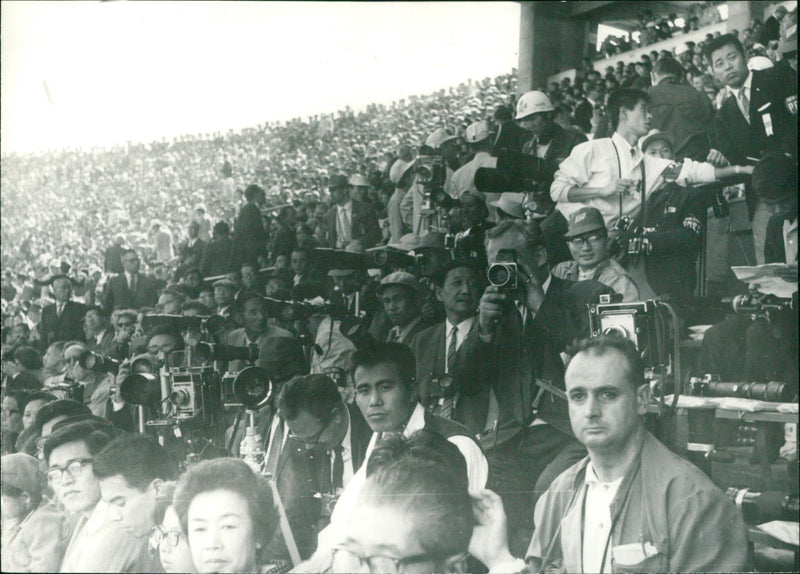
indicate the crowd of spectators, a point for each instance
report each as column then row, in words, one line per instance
column 319, row 251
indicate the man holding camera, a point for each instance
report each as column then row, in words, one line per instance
column 451, row 380
column 632, row 505
column 255, row 330
column 526, row 320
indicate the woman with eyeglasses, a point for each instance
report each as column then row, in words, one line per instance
column 227, row 513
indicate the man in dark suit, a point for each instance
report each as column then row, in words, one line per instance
column 131, row 289
column 249, row 236
column 63, row 320
column 315, row 448
column 101, row 337
column 449, row 373
column 399, row 294
column 760, row 116
column 111, row 260
column 510, row 136
column 522, row 332
column 588, row 107
column 217, row 253
column 190, row 252
column 349, row 220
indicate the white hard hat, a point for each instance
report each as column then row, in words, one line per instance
column 477, row 131
column 398, row 170
column 438, row 138
column 533, row 103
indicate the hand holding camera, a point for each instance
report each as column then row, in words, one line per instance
column 621, row 186
column 491, row 309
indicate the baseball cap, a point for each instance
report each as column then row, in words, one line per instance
column 476, row 132
column 654, row 135
column 337, row 181
column 509, row 206
column 403, row 278
column 408, row 242
column 21, row 471
column 585, row 220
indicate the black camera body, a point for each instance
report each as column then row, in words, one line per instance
column 758, row 507
column 431, row 171
column 628, row 320
column 630, row 235
column 442, row 386
column 504, row 275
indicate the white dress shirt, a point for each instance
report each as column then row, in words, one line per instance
column 597, row 521
column 594, row 164
column 790, row 240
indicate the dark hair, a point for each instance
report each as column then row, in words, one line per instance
column 234, row 475
column 395, row 354
column 669, row 67
column 624, row 98
column 530, row 230
column 45, row 396
column 166, row 330
column 193, row 305
column 253, row 191
column 59, row 408
column 602, row 345
column 97, row 309
column 424, row 490
column 127, row 250
column 420, row 445
column 502, row 113
column 221, row 228
column 29, row 358
column 315, row 394
column 441, row 277
column 20, row 397
column 138, row 458
column 90, row 433
column 720, row 41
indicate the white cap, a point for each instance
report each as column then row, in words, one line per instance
column 358, row 180
column 533, row 103
column 477, row 132
column 398, row 170
column 438, row 138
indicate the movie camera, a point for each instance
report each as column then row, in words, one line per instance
column 515, row 172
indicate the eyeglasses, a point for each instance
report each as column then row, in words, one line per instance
column 594, row 239
column 345, row 560
column 158, row 536
column 55, row 474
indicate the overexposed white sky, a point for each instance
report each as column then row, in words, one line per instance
column 99, row 73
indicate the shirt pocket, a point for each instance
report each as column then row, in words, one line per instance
column 655, row 563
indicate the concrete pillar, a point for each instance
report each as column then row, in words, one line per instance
column 550, row 41
column 740, row 14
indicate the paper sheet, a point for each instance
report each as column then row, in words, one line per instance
column 765, row 278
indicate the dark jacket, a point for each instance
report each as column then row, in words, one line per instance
column 249, row 236
column 684, row 113
column 469, row 377
column 364, row 225
column 673, row 218
column 774, row 91
column 518, row 357
column 216, row 258
column 774, row 248
column 510, row 137
column 118, row 296
column 297, row 480
column 68, row 327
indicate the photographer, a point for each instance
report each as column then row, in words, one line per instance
column 440, row 143
column 449, row 370
column 101, row 337
column 523, row 328
column 255, row 330
column 588, row 242
column 96, row 385
column 480, row 141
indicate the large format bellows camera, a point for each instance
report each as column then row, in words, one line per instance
column 431, row 171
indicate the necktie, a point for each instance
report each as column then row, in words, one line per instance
column 132, row 285
column 394, row 335
column 337, row 474
column 59, row 309
column 446, row 404
column 745, row 105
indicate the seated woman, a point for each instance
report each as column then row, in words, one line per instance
column 227, row 514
